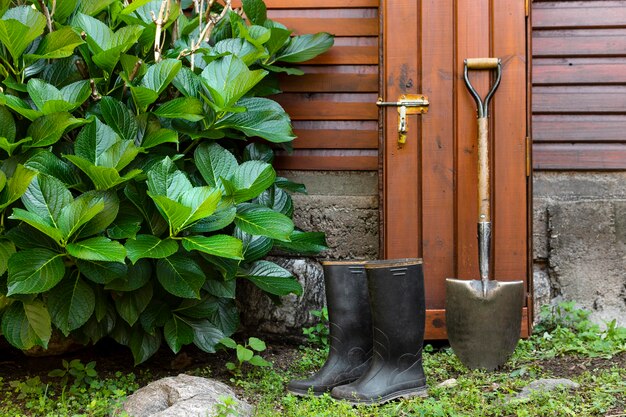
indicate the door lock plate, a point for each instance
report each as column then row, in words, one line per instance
column 406, row 104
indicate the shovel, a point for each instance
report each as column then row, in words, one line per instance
column 483, row 317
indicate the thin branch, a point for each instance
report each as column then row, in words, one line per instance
column 94, row 91
column 46, row 13
column 161, row 20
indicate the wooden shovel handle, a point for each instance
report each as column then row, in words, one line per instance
column 484, row 189
column 482, row 63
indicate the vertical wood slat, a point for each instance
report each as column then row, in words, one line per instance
column 402, row 187
column 437, row 150
column 510, row 230
column 472, row 41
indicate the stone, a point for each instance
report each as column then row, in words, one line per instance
column 546, row 385
column 586, row 260
column 259, row 312
column 448, row 383
column 182, row 396
column 542, row 291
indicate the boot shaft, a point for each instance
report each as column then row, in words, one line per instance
column 397, row 300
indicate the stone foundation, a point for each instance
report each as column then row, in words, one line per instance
column 579, row 243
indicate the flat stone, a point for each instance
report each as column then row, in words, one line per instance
column 546, row 385
column 448, row 383
column 182, row 396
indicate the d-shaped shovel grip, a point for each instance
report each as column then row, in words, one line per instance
column 484, row 191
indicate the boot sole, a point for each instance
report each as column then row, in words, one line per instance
column 407, row 393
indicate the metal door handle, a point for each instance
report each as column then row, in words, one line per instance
column 406, row 104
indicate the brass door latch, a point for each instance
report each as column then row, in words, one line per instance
column 406, row 104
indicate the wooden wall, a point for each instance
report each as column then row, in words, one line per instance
column 333, row 105
column 579, row 85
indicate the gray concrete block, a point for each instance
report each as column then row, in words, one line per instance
column 587, row 261
column 340, row 183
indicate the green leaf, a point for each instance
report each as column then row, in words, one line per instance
column 93, row 7
column 254, row 247
column 144, row 97
column 16, row 186
column 187, row 82
column 255, row 11
column 305, row 47
column 77, row 213
column 119, row 118
column 188, row 108
column 271, row 278
column 177, row 333
column 277, row 199
column 263, row 117
column 143, row 345
column 221, row 289
column 229, row 343
column 102, row 272
column 244, row 354
column 97, row 249
column 279, row 37
column 131, row 304
column 38, row 223
column 64, row 8
column 76, row 93
column 105, row 217
column 288, row 185
column 101, row 146
column 257, row 344
column 71, row 303
column 305, row 243
column 20, row 107
column 46, row 197
column 48, row 129
column 180, row 276
column 228, row 79
column 7, row 125
column 159, row 76
column 43, row 94
column 251, row 179
column 148, row 246
column 241, row 48
column 34, row 271
column 257, row 151
column 7, row 249
column 25, row 325
column 137, row 276
column 10, row 146
column 159, row 137
column 259, row 361
column 217, row 221
column 214, row 162
column 47, row 163
column 137, row 195
column 19, row 26
column 258, row 220
column 226, row 316
column 206, row 335
column 223, row 246
column 103, row 178
column 195, row 204
column 58, row 44
column 166, row 180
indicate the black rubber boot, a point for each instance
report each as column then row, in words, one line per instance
column 396, row 290
column 350, row 324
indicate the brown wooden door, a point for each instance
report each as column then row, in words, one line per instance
column 429, row 184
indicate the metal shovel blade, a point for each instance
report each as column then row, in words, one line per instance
column 483, row 330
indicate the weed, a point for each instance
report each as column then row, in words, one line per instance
column 245, row 354
column 319, row 333
column 83, row 374
column 226, row 408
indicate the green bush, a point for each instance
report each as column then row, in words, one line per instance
column 130, row 198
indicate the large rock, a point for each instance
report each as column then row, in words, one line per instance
column 587, row 262
column 546, row 385
column 182, row 396
column 293, row 314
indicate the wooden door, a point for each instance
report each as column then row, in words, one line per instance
column 429, row 184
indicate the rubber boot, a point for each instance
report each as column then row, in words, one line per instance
column 396, row 290
column 350, row 325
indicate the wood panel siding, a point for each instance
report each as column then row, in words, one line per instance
column 579, row 85
column 333, row 104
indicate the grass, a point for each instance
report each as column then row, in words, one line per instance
column 565, row 345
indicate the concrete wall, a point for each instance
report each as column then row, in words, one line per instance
column 579, row 239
